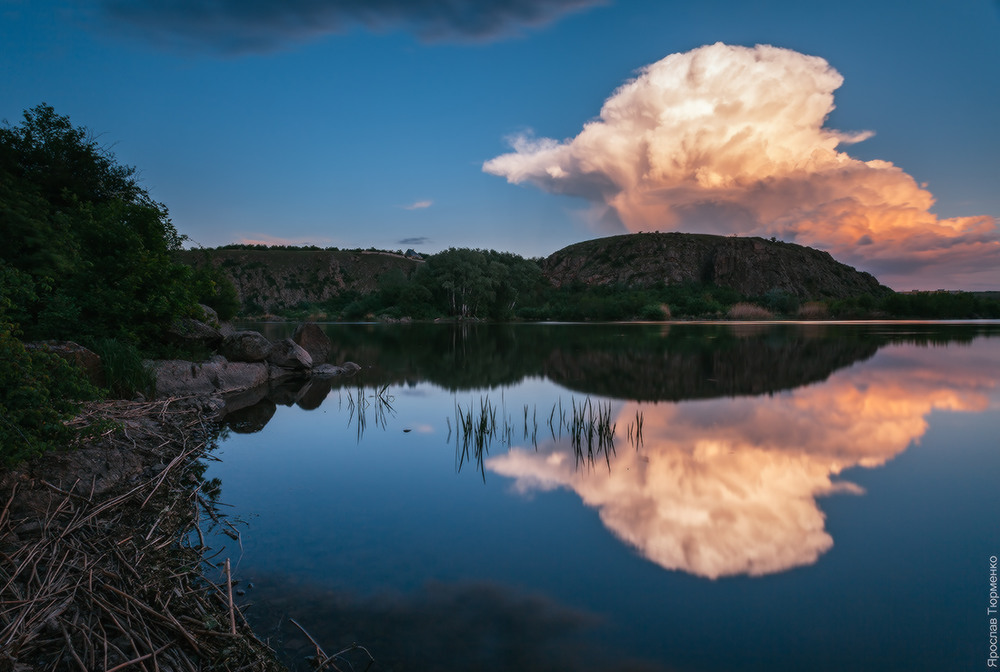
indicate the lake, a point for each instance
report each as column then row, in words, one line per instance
column 697, row 497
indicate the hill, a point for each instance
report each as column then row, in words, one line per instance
column 750, row 266
column 276, row 279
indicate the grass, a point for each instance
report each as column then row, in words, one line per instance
column 125, row 374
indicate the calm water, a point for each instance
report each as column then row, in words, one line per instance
column 731, row 497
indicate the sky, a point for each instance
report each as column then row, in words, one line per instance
column 866, row 129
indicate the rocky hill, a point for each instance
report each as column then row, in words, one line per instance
column 277, row 279
column 751, row 266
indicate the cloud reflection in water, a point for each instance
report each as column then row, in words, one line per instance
column 729, row 486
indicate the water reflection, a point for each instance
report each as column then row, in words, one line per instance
column 730, row 486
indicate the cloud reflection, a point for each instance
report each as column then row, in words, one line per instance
column 729, row 486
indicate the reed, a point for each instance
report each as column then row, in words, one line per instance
column 590, row 427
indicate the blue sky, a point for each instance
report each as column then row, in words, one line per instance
column 314, row 122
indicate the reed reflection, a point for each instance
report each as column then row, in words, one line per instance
column 729, row 486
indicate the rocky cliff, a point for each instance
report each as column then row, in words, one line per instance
column 751, row 266
column 277, row 279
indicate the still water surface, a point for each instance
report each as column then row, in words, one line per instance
column 626, row 497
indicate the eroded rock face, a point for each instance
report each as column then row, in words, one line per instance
column 313, row 340
column 751, row 266
column 245, row 346
column 288, row 354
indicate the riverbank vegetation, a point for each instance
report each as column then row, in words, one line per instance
column 501, row 286
column 87, row 257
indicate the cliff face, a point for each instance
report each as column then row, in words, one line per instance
column 277, row 279
column 752, row 266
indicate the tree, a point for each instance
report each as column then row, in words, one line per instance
column 93, row 245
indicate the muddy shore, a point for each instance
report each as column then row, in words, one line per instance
column 102, row 554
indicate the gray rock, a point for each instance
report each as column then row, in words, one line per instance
column 350, row 367
column 313, row 340
column 236, row 376
column 327, row 371
column 180, row 378
column 279, row 372
column 209, row 316
column 195, row 331
column 245, row 346
column 288, row 354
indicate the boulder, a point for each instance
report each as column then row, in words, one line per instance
column 327, row 371
column 235, row 376
column 350, row 367
column 313, row 340
column 180, row 378
column 288, row 354
column 74, row 353
column 209, row 316
column 189, row 330
column 245, row 346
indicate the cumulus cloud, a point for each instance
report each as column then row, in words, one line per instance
column 727, row 139
column 237, row 26
column 729, row 486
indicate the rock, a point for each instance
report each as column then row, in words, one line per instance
column 276, row 373
column 326, row 371
column 231, row 377
column 245, row 346
column 288, row 354
column 180, row 378
column 313, row 340
column 209, row 316
column 190, row 330
column 74, row 353
column 350, row 367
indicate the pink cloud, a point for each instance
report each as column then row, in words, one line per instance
column 731, row 140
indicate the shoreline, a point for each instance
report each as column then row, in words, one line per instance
column 101, row 550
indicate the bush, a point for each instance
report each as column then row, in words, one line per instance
column 749, row 311
column 39, row 391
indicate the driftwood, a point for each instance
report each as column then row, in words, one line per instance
column 99, row 578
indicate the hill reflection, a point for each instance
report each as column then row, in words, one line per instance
column 729, row 486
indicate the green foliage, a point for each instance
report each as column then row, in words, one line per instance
column 38, row 393
column 942, row 305
column 125, row 374
column 93, row 244
column 212, row 287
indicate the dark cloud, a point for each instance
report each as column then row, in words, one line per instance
column 419, row 240
column 243, row 26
